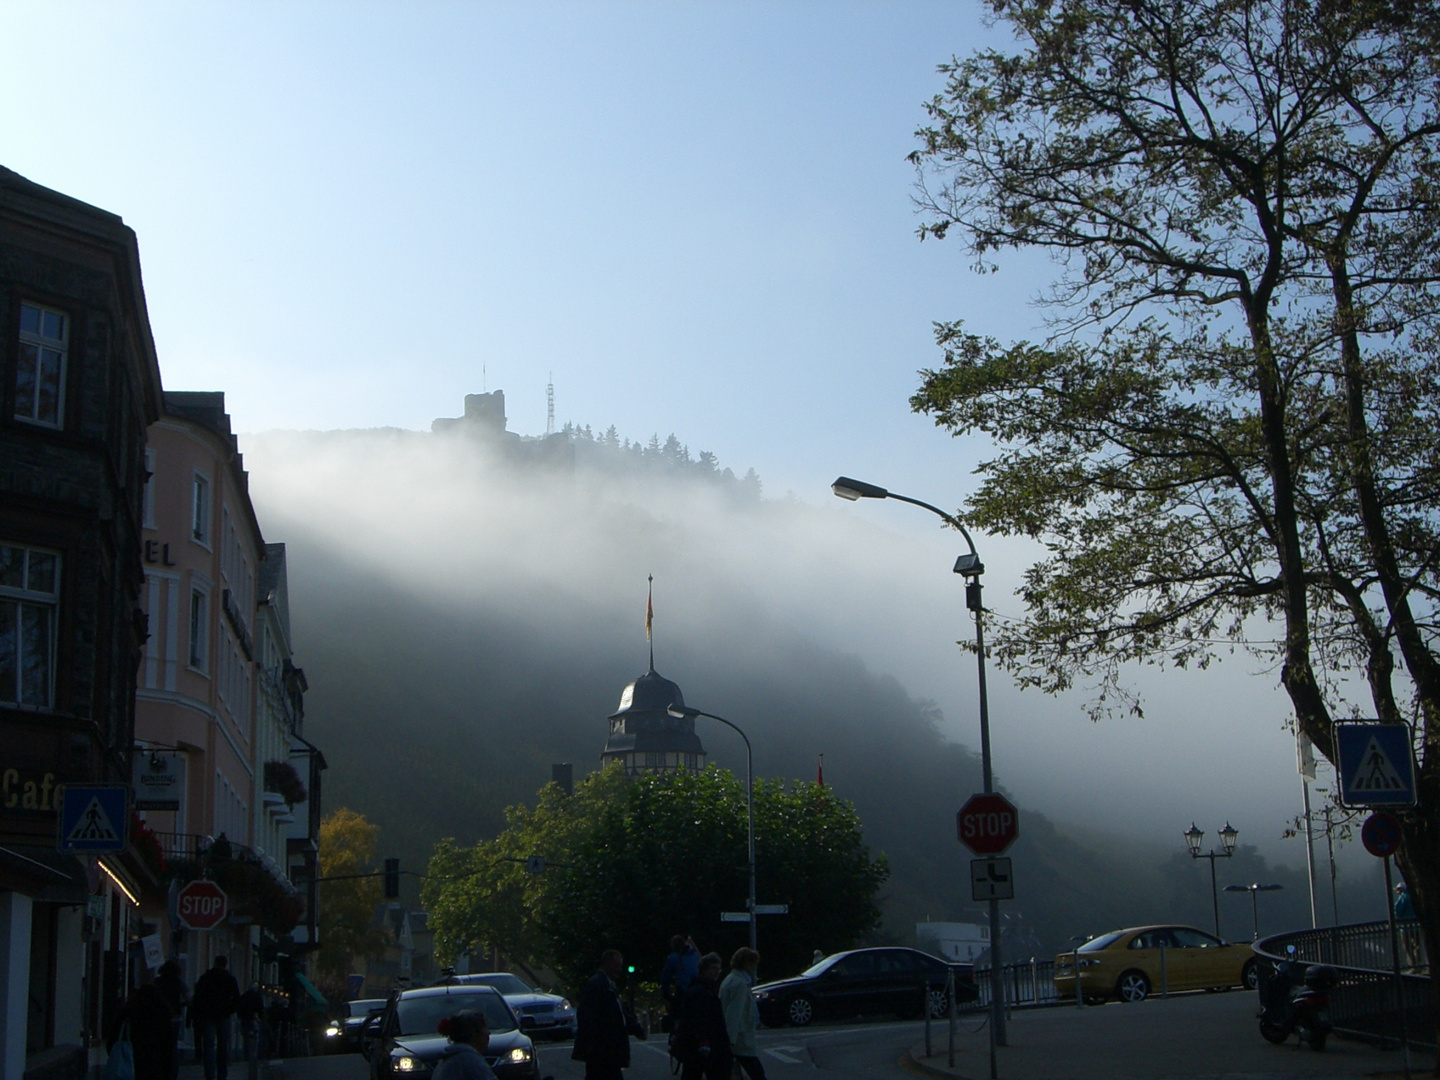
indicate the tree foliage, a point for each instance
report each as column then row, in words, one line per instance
column 347, row 927
column 1230, row 431
column 654, row 856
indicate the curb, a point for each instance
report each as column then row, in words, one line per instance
column 916, row 1067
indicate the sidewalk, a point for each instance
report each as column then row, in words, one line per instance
column 1190, row 1037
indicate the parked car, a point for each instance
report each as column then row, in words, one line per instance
column 405, row 1043
column 342, row 1035
column 540, row 1013
column 1125, row 964
column 864, row 981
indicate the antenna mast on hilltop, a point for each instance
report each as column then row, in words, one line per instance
column 550, row 405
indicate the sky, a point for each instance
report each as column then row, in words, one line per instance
column 691, row 217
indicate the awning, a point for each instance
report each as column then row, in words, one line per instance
column 310, row 989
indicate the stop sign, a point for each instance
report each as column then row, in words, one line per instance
column 988, row 824
column 201, row 905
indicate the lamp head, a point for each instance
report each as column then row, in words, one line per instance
column 1227, row 838
column 969, row 565
column 1193, row 838
column 850, row 489
column 1237, row 888
column 680, row 712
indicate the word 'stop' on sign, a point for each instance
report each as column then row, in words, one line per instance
column 201, row 905
column 988, row 824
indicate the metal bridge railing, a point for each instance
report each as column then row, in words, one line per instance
column 1364, row 1004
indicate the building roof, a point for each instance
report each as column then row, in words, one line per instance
column 643, row 723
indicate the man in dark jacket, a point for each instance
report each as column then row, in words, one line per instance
column 702, row 1042
column 602, row 1026
column 216, row 995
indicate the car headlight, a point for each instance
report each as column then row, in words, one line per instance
column 519, row 1055
column 762, row 995
column 332, row 1031
column 407, row 1064
column 1087, row 963
column 564, row 1006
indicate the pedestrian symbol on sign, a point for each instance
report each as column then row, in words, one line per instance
column 94, row 826
column 1376, row 772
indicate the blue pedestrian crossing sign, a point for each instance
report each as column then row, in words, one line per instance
column 93, row 817
column 1376, row 764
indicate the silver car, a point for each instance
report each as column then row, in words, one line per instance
column 540, row 1013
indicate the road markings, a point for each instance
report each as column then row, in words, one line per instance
column 785, row 1053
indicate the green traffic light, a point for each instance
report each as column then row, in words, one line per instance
column 630, row 968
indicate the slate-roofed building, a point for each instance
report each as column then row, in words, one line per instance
column 644, row 737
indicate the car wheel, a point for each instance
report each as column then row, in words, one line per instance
column 939, row 1003
column 800, row 1011
column 1133, row 986
column 1250, row 975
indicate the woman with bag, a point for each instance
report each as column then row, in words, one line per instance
column 141, row 1042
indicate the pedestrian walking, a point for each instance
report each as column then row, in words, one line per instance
column 250, row 1012
column 464, row 1058
column 742, row 1016
column 678, row 972
column 1408, row 927
column 602, row 1025
column 177, row 995
column 216, row 995
column 702, row 1042
column 145, row 1022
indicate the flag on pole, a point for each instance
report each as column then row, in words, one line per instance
column 1304, row 755
column 820, row 771
column 650, row 608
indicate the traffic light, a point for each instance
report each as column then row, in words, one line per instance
column 392, row 879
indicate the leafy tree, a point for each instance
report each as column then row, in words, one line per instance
column 658, row 855
column 1232, row 426
column 346, row 917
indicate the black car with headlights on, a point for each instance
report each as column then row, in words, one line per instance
column 342, row 1036
column 405, row 1043
column 864, row 982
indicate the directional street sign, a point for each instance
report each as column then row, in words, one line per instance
column 734, row 916
column 988, row 824
column 991, row 879
column 1381, row 834
column 1376, row 764
column 772, row 909
column 93, row 817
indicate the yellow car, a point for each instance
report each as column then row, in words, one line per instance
column 1126, row 964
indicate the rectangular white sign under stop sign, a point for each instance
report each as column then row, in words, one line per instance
column 991, row 879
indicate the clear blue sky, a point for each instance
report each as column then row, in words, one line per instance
column 696, row 216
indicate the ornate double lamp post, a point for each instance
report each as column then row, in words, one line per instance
column 1193, row 839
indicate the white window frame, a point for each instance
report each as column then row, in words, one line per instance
column 201, row 509
column 24, row 597
column 39, row 341
column 198, row 659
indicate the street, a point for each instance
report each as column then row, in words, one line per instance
column 839, row 1051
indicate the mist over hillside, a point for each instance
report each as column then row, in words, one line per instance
column 468, row 610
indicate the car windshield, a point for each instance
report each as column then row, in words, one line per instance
column 1101, row 942
column 816, row 969
column 421, row 1014
column 505, row 983
column 365, row 1006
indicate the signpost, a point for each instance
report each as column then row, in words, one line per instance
column 1376, row 764
column 201, row 905
column 1381, row 836
column 988, row 824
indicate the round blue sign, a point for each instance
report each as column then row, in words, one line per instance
column 1381, row 834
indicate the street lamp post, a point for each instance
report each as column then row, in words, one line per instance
column 1193, row 839
column 1254, row 890
column 970, row 568
column 680, row 712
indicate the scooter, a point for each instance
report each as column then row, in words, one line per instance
column 1296, row 1000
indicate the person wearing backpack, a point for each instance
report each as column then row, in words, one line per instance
column 701, row 1042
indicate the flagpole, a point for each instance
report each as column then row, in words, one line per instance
column 650, row 618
